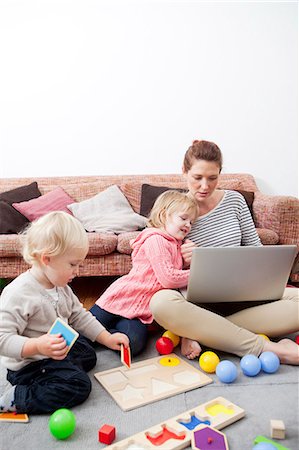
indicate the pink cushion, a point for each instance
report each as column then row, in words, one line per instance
column 56, row 200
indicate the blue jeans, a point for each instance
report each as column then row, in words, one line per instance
column 133, row 328
column 46, row 385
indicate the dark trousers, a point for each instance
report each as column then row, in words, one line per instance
column 46, row 385
column 133, row 328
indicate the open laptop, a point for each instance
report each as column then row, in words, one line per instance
column 235, row 274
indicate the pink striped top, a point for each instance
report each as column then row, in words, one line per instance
column 157, row 264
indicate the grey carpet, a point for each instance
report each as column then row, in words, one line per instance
column 263, row 397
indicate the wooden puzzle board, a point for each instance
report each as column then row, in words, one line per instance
column 151, row 380
column 219, row 412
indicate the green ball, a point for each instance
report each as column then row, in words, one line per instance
column 62, row 423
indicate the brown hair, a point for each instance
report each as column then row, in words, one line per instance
column 169, row 202
column 208, row 151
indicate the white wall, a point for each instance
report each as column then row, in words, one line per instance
column 118, row 87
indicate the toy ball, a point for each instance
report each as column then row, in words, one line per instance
column 270, row 362
column 173, row 337
column 297, row 339
column 62, row 423
column 264, row 446
column 164, row 345
column 250, row 365
column 264, row 336
column 226, row 371
column 208, row 361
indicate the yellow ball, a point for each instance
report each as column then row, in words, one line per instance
column 264, row 336
column 173, row 337
column 208, row 361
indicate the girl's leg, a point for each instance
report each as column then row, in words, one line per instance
column 133, row 328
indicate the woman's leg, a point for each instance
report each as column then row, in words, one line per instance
column 172, row 311
column 133, row 328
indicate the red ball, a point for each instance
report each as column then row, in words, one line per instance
column 297, row 339
column 164, row 345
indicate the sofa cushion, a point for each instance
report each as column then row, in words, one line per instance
column 101, row 243
column 56, row 200
column 267, row 237
column 108, row 211
column 13, row 221
column 123, row 243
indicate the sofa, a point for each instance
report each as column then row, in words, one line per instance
column 275, row 217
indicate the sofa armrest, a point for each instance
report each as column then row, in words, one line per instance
column 278, row 213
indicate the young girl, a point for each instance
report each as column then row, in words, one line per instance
column 44, row 375
column 157, row 264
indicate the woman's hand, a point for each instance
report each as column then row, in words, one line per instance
column 113, row 340
column 186, row 250
column 51, row 345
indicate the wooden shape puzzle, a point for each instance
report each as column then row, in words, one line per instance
column 208, row 438
column 68, row 333
column 13, row 417
column 151, row 380
column 176, row 433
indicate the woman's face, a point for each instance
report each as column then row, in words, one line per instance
column 202, row 179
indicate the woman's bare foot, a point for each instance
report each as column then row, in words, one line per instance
column 286, row 350
column 189, row 348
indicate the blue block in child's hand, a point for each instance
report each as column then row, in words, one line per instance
column 67, row 332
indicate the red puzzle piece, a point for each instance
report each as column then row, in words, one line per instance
column 164, row 436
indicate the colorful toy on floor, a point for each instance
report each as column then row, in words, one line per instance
column 164, row 345
column 226, row 371
column 250, row 365
column 125, row 356
column 175, row 434
column 297, row 339
column 208, row 361
column 264, row 336
column 62, row 423
column 151, row 380
column 13, row 417
column 208, row 438
column 277, row 429
column 107, row 434
column 175, row 339
column 270, row 362
column 263, row 439
column 264, row 446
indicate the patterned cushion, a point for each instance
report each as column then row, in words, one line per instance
column 267, row 237
column 123, row 243
column 56, row 200
column 101, row 243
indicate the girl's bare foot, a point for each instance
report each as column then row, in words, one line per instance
column 286, row 350
column 189, row 348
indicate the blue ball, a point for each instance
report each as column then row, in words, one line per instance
column 270, row 362
column 250, row 365
column 264, row 446
column 226, row 371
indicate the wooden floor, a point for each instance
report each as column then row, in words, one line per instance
column 89, row 289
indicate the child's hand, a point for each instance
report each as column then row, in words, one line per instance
column 186, row 250
column 52, row 345
column 114, row 340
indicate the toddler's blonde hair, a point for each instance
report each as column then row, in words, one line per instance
column 169, row 202
column 52, row 234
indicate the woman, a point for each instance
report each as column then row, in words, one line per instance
column 224, row 220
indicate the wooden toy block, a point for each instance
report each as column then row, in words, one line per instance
column 208, row 438
column 107, row 434
column 13, row 417
column 277, row 428
column 151, row 380
column 125, row 356
column 176, row 433
column 259, row 439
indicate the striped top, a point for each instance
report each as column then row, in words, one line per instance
column 229, row 224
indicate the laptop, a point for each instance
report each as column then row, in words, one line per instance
column 235, row 274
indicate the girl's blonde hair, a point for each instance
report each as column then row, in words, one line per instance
column 52, row 234
column 169, row 202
